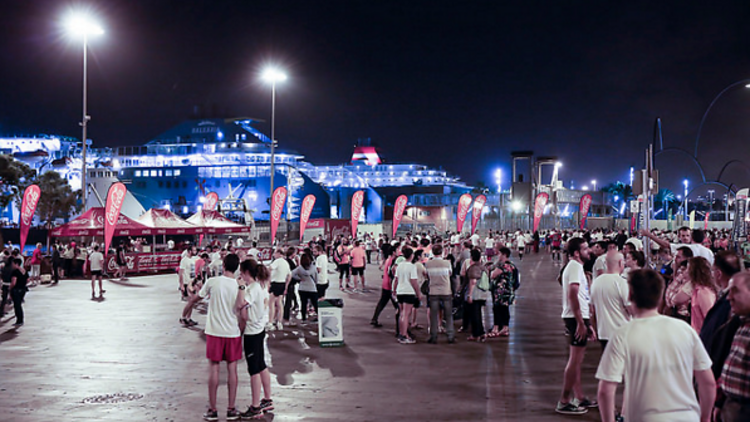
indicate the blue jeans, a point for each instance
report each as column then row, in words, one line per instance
column 446, row 302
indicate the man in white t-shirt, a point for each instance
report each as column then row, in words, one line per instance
column 687, row 237
column 321, row 263
column 187, row 270
column 659, row 357
column 609, row 299
column 406, row 289
column 575, row 315
column 254, row 252
column 96, row 265
column 223, row 341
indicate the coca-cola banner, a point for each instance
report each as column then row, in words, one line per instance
column 212, row 199
column 539, row 203
column 705, row 222
column 739, row 230
column 28, row 208
column 307, row 206
column 115, row 199
column 357, row 200
column 583, row 209
column 464, row 202
column 477, row 211
column 398, row 212
column 277, row 206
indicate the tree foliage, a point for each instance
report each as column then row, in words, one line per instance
column 14, row 177
column 57, row 199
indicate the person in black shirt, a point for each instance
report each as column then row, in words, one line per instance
column 18, row 289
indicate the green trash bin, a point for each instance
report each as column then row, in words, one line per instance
column 331, row 323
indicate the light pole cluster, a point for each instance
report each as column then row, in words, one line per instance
column 273, row 76
column 82, row 26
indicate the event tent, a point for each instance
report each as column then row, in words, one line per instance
column 215, row 223
column 166, row 222
column 91, row 223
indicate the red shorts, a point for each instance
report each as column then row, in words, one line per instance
column 223, row 348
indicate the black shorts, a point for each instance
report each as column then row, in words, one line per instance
column 277, row 289
column 555, row 248
column 571, row 325
column 321, row 290
column 407, row 299
column 343, row 270
column 253, row 346
column 358, row 271
column 96, row 273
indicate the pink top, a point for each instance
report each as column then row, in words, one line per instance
column 703, row 299
column 358, row 257
column 386, row 279
column 36, row 257
column 343, row 252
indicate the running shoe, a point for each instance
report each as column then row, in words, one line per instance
column 266, row 405
column 588, row 404
column 570, row 409
column 233, row 415
column 211, row 415
column 252, row 413
column 270, row 327
column 406, row 340
column 279, row 325
column 191, row 322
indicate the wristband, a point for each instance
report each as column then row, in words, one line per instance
column 242, row 287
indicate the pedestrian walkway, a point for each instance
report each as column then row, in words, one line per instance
column 75, row 358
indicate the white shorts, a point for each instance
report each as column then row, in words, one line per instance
column 35, row 269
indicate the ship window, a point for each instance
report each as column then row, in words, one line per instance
column 153, row 173
column 160, row 173
column 161, row 184
column 177, row 173
column 137, row 173
column 169, row 173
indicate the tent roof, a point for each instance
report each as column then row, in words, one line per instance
column 215, row 223
column 166, row 222
column 91, row 223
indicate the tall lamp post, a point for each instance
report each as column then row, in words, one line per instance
column 273, row 76
column 685, row 184
column 82, row 26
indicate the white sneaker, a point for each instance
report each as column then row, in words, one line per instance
column 279, row 325
column 270, row 327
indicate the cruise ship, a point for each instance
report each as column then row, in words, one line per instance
column 231, row 157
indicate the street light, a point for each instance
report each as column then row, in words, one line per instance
column 272, row 76
column 82, row 26
column 685, row 184
column 499, row 180
column 593, row 182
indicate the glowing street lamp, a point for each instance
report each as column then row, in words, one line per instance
column 272, row 76
column 499, row 180
column 82, row 26
column 593, row 182
column 685, row 184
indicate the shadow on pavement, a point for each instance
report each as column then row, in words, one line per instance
column 127, row 283
column 8, row 335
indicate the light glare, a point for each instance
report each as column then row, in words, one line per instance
column 272, row 75
column 82, row 25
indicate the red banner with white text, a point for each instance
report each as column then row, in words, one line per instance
column 464, row 202
column 398, row 212
column 477, row 211
column 212, row 199
column 115, row 199
column 583, row 209
column 705, row 222
column 357, row 200
column 304, row 216
column 539, row 203
column 28, row 207
column 277, row 207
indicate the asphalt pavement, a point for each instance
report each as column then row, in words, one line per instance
column 127, row 358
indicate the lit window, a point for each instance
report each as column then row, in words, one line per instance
column 137, row 173
column 169, row 173
column 177, row 173
column 153, row 173
column 160, row 173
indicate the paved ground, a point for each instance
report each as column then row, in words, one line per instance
column 72, row 349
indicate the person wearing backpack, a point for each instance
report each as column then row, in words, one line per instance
column 476, row 295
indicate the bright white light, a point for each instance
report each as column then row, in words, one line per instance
column 585, row 188
column 558, row 164
column 185, row 210
column 202, row 199
column 272, row 75
column 617, row 198
column 685, row 183
column 516, row 206
column 167, row 207
column 80, row 24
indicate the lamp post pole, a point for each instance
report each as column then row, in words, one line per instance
column 84, row 123
column 273, row 131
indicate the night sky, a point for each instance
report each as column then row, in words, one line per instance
column 451, row 84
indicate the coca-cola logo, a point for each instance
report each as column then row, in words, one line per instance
column 479, row 202
column 30, row 200
column 116, row 198
column 357, row 200
column 400, row 206
column 307, row 206
column 211, row 200
column 463, row 206
column 586, row 203
column 278, row 203
column 541, row 202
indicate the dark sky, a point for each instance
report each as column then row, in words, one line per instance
column 454, row 84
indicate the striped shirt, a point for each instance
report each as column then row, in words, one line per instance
column 735, row 376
